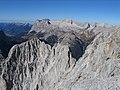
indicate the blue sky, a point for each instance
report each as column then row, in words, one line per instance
column 81, row 10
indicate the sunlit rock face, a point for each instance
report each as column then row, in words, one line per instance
column 55, row 59
column 100, row 63
column 34, row 64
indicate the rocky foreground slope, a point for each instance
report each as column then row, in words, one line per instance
column 55, row 59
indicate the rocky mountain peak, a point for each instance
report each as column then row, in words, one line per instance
column 64, row 56
column 68, row 21
column 43, row 21
column 67, row 25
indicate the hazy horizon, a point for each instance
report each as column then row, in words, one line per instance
column 106, row 11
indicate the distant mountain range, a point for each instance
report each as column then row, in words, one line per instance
column 15, row 28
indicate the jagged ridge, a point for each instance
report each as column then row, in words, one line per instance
column 50, row 64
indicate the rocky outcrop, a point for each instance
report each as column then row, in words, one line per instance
column 41, row 25
column 60, row 60
column 34, row 65
column 70, row 39
column 99, row 67
column 2, row 84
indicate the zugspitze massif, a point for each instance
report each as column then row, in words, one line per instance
column 60, row 55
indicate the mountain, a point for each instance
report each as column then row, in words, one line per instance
column 66, row 25
column 15, row 28
column 64, row 58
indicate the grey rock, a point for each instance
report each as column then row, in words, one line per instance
column 48, row 61
column 33, row 65
column 100, row 64
column 66, row 25
column 2, row 84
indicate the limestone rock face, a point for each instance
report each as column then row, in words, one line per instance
column 2, row 84
column 48, row 61
column 66, row 25
column 76, row 45
column 34, row 65
column 40, row 25
column 100, row 65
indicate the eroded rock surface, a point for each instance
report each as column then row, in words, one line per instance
column 48, row 61
column 100, row 65
column 34, row 64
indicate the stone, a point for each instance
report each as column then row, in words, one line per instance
column 43, row 64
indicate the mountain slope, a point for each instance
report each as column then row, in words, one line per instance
column 100, row 64
column 15, row 28
column 64, row 60
column 40, row 66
